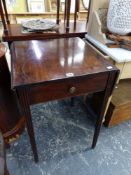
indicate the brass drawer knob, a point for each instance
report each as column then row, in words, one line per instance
column 72, row 90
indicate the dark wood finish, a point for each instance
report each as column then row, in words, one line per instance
column 95, row 101
column 10, row 31
column 62, row 89
column 58, row 12
column 120, row 106
column 76, row 10
column 3, row 18
column 15, row 33
column 25, row 103
column 3, row 166
column 103, row 99
column 68, row 6
column 52, row 60
column 5, row 10
column 11, row 121
column 65, row 15
column 67, row 12
column 60, row 68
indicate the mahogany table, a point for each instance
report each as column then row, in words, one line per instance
column 59, row 68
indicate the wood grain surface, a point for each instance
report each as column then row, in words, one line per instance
column 43, row 61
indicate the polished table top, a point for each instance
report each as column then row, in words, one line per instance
column 42, row 61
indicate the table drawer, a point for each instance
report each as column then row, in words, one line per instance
column 67, row 88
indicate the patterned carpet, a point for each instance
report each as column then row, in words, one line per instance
column 64, row 135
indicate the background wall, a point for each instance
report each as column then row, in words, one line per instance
column 16, row 6
column 20, row 6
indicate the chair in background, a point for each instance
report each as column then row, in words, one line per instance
column 6, row 21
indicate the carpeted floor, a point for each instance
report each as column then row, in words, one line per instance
column 64, row 135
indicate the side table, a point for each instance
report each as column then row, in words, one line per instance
column 59, row 68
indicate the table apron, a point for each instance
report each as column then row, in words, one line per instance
column 67, row 88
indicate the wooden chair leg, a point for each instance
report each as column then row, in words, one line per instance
column 58, row 12
column 68, row 5
column 3, row 18
column 75, row 14
column 88, row 11
column 65, row 12
column 5, row 10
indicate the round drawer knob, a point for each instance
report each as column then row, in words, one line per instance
column 72, row 90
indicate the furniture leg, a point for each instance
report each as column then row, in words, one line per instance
column 104, row 99
column 3, row 18
column 65, row 11
column 24, row 100
column 68, row 5
column 88, row 11
column 58, row 12
column 76, row 10
column 5, row 10
column 75, row 14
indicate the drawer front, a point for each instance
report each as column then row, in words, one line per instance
column 67, row 88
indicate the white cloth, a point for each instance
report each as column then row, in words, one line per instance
column 119, row 55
